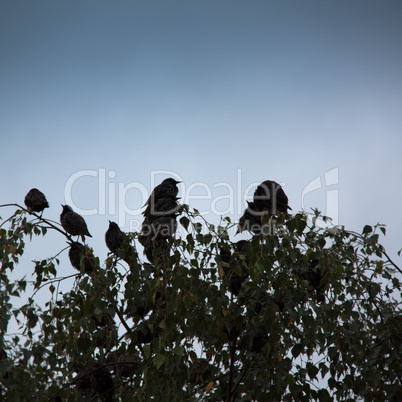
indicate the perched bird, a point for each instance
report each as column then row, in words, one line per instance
column 159, row 228
column 269, row 199
column 78, row 251
column 118, row 243
column 269, row 196
column 114, row 237
column 73, row 223
column 251, row 219
column 152, row 245
column 36, row 201
column 167, row 189
column 160, row 219
column 162, row 207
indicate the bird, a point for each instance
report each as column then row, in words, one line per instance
column 252, row 219
column 160, row 219
column 35, row 200
column 73, row 223
column 149, row 246
column 114, row 237
column 78, row 251
column 269, row 196
column 161, row 227
column 116, row 240
column 162, row 207
column 269, row 199
column 167, row 189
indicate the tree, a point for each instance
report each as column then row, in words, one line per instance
column 300, row 313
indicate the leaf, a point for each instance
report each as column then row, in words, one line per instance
column 367, row 229
column 159, row 360
column 297, row 349
column 209, row 386
column 147, row 351
column 83, row 344
column 197, row 227
column 221, row 272
column 184, row 222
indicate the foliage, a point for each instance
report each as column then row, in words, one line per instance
column 302, row 313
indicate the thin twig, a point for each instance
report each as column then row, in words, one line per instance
column 389, row 259
column 39, row 218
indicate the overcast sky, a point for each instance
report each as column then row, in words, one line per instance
column 103, row 96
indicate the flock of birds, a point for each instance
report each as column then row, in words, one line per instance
column 159, row 220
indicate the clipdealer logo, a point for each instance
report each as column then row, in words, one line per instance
column 113, row 195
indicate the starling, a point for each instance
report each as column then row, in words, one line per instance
column 73, row 223
column 78, row 250
column 269, row 196
column 151, row 245
column 116, row 240
column 114, row 237
column 162, row 207
column 36, row 201
column 160, row 228
column 252, row 219
column 160, row 218
column 167, row 189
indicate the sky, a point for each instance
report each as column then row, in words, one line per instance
column 102, row 100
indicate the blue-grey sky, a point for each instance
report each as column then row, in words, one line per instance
column 281, row 90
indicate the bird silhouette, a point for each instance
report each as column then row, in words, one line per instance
column 269, row 196
column 252, row 219
column 161, row 207
column 73, row 223
column 114, row 237
column 116, row 240
column 269, row 199
column 78, row 251
column 35, row 200
column 160, row 219
column 167, row 189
